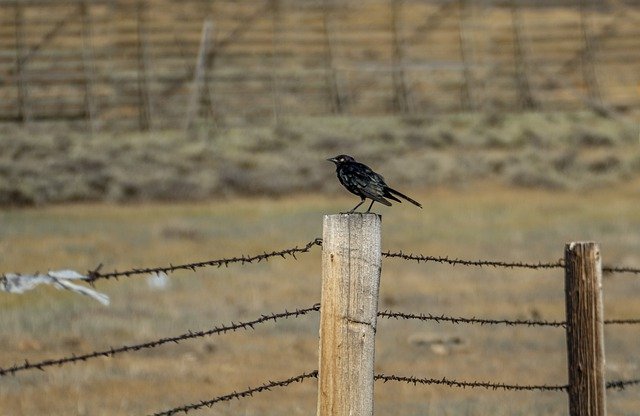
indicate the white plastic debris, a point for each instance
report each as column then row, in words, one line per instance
column 60, row 279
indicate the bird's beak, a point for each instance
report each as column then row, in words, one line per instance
column 332, row 159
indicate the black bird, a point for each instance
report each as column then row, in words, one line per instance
column 359, row 179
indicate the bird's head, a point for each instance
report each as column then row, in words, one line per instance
column 341, row 159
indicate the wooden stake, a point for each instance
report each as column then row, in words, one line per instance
column 199, row 76
column 585, row 331
column 350, row 282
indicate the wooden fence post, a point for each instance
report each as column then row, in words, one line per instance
column 200, row 73
column 585, row 329
column 349, row 307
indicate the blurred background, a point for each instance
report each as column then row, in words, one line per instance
column 141, row 132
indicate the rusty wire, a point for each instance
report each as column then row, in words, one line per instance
column 622, row 384
column 472, row 320
column 238, row 394
column 559, row 264
column 41, row 365
column 472, row 384
column 622, row 321
column 95, row 274
column 620, row 269
column 617, row 384
column 485, row 321
column 493, row 263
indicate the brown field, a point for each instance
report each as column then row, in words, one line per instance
column 480, row 220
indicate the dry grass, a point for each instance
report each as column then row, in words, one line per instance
column 534, row 150
column 480, row 221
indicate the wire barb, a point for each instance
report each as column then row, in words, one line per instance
column 41, row 365
column 238, row 394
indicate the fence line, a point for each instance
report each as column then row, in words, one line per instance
column 96, row 275
column 500, row 58
column 41, row 365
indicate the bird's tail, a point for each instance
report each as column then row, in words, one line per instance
column 401, row 195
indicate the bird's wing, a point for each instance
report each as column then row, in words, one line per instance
column 370, row 183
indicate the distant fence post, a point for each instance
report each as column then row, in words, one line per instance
column 349, row 306
column 585, row 329
column 200, row 71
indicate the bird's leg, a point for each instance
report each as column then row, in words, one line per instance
column 356, row 207
column 369, row 209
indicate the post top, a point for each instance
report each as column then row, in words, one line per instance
column 353, row 214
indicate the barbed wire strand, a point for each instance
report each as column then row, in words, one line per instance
column 473, row 320
column 456, row 261
column 622, row 321
column 498, row 263
column 41, row 365
column 485, row 321
column 471, row 384
column 617, row 384
column 95, row 274
column 622, row 384
column 238, row 394
column 621, row 269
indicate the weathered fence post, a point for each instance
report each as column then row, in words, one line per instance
column 200, row 72
column 585, row 329
column 349, row 307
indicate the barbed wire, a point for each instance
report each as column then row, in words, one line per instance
column 622, row 321
column 621, row 269
column 238, row 394
column 456, row 261
column 498, row 263
column 617, row 384
column 485, row 321
column 622, row 384
column 41, row 365
column 95, row 274
column 472, row 320
column 472, row 384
